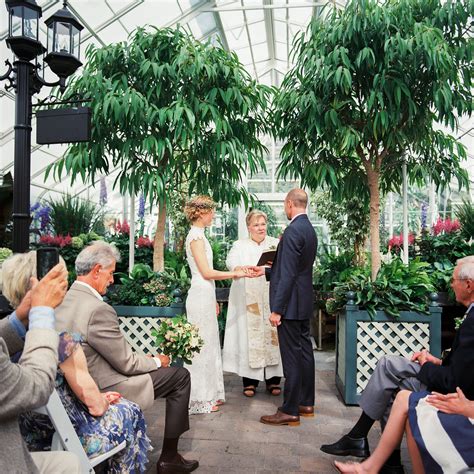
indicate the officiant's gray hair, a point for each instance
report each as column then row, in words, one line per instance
column 253, row 214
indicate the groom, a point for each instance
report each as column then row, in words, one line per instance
column 291, row 303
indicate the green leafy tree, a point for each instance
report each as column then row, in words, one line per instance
column 348, row 222
column 168, row 109
column 369, row 85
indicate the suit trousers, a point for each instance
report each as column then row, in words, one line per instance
column 298, row 364
column 174, row 384
column 391, row 374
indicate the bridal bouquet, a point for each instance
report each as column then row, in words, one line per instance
column 178, row 339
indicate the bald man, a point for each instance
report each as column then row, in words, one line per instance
column 291, row 304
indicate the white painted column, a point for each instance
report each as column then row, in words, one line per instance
column 432, row 205
column 390, row 214
column 405, row 214
column 124, row 207
column 131, row 240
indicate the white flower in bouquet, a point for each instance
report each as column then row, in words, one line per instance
column 178, row 339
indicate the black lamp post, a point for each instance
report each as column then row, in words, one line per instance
column 63, row 59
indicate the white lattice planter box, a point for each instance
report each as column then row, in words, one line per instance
column 137, row 322
column 361, row 342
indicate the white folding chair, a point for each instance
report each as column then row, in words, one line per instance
column 65, row 438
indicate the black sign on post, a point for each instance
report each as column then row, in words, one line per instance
column 63, row 125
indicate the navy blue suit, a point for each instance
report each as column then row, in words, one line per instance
column 291, row 296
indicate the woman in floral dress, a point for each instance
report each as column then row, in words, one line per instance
column 101, row 420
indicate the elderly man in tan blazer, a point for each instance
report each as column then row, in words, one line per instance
column 112, row 363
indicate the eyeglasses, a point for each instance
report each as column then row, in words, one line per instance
column 459, row 279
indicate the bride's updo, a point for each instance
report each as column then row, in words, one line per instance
column 198, row 206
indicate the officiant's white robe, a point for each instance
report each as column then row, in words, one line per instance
column 236, row 351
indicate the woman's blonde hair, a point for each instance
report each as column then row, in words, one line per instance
column 198, row 206
column 254, row 214
column 16, row 273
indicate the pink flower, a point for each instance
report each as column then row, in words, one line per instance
column 144, row 241
column 445, row 226
column 397, row 241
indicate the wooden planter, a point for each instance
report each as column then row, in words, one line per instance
column 137, row 322
column 361, row 342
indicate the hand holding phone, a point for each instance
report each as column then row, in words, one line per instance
column 46, row 259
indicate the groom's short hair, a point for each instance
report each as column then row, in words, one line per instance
column 298, row 197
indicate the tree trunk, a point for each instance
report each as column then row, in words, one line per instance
column 359, row 252
column 373, row 178
column 159, row 242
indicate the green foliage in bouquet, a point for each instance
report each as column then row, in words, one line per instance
column 398, row 287
column 178, row 339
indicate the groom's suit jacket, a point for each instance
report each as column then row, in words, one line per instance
column 111, row 362
column 291, row 275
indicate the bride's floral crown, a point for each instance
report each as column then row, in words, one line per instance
column 197, row 205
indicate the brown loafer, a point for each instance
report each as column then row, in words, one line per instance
column 280, row 418
column 180, row 465
column 306, row 411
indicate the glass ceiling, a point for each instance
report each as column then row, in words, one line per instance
column 259, row 31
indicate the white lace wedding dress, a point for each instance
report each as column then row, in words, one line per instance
column 207, row 381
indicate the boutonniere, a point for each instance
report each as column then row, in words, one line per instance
column 459, row 321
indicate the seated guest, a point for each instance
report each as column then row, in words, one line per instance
column 29, row 384
column 435, row 420
column 112, row 363
column 101, row 420
column 423, row 372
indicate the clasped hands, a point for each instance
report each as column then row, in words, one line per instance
column 249, row 271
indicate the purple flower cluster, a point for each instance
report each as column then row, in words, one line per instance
column 41, row 214
column 424, row 215
column 103, row 192
column 141, row 206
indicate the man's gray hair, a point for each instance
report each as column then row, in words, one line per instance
column 97, row 252
column 466, row 268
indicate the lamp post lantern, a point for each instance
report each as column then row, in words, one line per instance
column 23, row 77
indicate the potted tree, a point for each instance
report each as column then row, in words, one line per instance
column 169, row 112
column 369, row 86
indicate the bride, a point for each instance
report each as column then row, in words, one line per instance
column 207, row 381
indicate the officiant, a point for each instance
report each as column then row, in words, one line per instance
column 251, row 347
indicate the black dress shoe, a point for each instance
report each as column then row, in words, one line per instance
column 387, row 469
column 180, row 465
column 358, row 447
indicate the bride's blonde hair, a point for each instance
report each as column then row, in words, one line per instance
column 198, row 206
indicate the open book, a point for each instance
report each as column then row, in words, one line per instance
column 266, row 257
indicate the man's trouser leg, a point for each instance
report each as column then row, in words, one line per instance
column 174, row 384
column 392, row 373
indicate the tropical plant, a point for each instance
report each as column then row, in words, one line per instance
column 178, row 339
column 332, row 269
column 348, row 222
column 70, row 215
column 169, row 109
column 369, row 85
column 465, row 214
column 398, row 287
column 144, row 287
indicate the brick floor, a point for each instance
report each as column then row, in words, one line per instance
column 234, row 441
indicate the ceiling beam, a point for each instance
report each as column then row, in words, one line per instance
column 246, row 7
